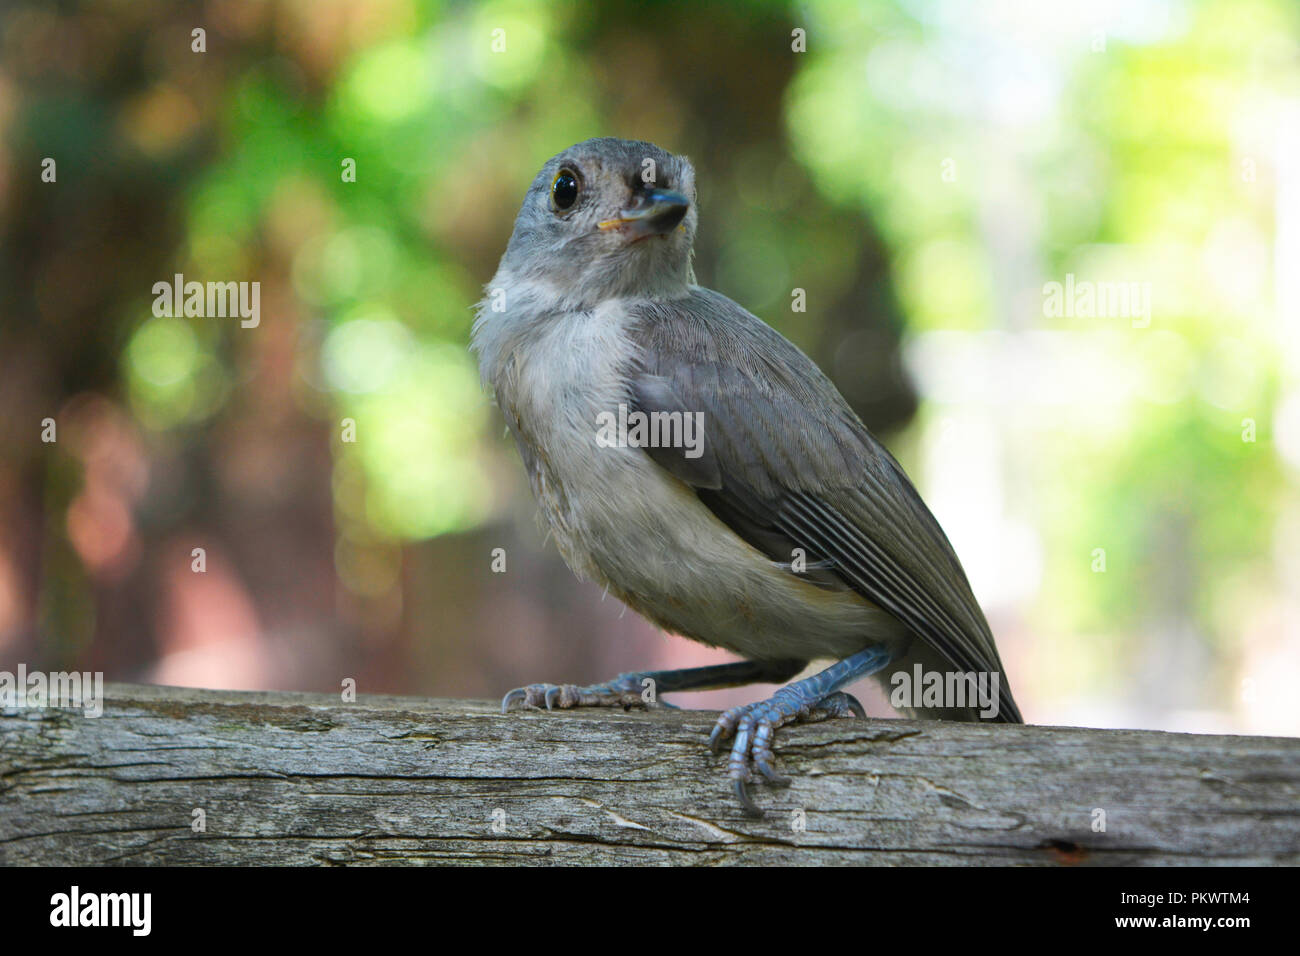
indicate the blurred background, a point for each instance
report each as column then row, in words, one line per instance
column 1124, row 494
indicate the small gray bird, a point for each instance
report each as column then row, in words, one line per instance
column 788, row 533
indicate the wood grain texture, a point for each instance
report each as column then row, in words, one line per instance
column 305, row 779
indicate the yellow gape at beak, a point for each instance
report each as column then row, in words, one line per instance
column 657, row 213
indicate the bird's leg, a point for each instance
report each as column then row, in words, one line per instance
column 630, row 690
column 815, row 698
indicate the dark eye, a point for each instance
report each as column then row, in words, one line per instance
column 564, row 191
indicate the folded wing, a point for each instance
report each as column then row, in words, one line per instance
column 787, row 464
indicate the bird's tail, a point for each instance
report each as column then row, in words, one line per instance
column 924, row 684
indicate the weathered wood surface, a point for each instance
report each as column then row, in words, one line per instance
column 306, row 779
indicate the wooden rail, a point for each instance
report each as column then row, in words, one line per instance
column 181, row 776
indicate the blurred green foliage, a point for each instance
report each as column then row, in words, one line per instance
column 993, row 148
column 1111, row 152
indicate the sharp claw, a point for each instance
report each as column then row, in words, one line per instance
column 856, row 706
column 552, row 694
column 516, row 695
column 742, row 794
column 715, row 740
column 774, row 778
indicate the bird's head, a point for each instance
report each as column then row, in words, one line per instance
column 607, row 218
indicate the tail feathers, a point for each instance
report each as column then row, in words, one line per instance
column 924, row 684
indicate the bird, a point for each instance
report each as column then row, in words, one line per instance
column 702, row 468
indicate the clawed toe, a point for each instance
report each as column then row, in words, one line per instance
column 741, row 789
column 559, row 694
column 616, row 693
column 517, row 696
column 537, row 696
column 839, row 704
column 752, row 727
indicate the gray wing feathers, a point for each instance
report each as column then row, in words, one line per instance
column 788, row 464
column 653, row 393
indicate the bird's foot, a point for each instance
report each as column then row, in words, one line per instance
column 625, row 690
column 752, row 726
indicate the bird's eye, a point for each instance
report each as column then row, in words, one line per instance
column 564, row 191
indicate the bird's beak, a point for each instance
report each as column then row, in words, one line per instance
column 656, row 212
